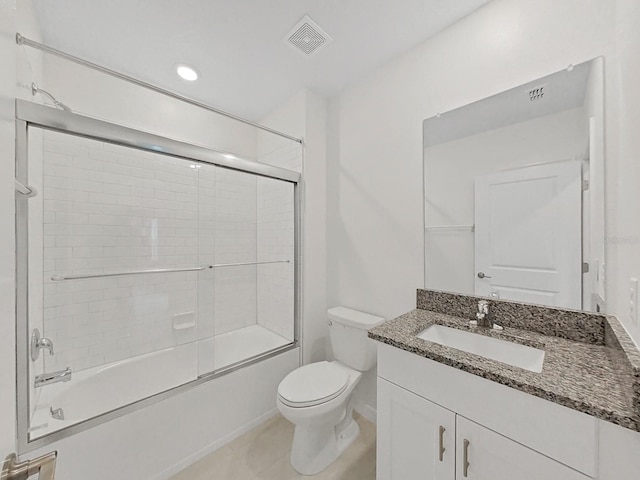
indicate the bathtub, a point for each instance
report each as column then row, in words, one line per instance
column 95, row 391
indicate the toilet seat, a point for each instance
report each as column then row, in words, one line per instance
column 313, row 384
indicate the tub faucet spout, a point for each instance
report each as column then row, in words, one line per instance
column 54, row 377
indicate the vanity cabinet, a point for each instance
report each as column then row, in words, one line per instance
column 416, row 437
column 419, row 440
column 511, row 434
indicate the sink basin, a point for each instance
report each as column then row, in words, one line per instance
column 503, row 351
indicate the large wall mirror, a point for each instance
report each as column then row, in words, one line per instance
column 514, row 193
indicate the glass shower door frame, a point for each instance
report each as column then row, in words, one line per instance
column 28, row 115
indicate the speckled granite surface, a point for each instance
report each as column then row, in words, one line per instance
column 597, row 372
column 570, row 324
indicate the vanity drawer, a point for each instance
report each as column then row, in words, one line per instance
column 566, row 435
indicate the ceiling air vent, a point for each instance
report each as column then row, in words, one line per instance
column 538, row 93
column 307, row 37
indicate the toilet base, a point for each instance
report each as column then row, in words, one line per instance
column 318, row 446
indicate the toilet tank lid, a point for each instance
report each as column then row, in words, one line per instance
column 354, row 318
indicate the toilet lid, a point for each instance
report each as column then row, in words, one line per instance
column 313, row 384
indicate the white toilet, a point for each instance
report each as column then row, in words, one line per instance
column 316, row 397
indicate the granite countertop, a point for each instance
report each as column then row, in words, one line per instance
column 596, row 370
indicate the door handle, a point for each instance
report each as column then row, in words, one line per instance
column 441, row 448
column 482, row 275
column 465, row 458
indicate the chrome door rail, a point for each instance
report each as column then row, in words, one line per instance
column 60, row 278
column 21, row 40
column 80, row 125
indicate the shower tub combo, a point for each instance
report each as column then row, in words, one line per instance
column 149, row 266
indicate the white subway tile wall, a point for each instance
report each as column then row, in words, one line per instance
column 275, row 293
column 110, row 208
column 36, row 283
column 235, row 242
column 275, row 235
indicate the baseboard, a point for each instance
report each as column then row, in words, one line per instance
column 367, row 411
column 191, row 459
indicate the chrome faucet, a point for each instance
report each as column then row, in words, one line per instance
column 484, row 317
column 53, row 377
column 39, row 343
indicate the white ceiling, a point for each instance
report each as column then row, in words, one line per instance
column 236, row 45
column 564, row 90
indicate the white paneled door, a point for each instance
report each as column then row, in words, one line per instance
column 416, row 438
column 528, row 234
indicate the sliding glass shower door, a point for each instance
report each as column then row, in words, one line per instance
column 145, row 270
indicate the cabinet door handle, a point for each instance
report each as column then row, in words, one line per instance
column 441, row 448
column 465, row 458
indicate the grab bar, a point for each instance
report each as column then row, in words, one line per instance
column 44, row 467
column 60, row 278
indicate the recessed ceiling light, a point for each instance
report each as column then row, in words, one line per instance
column 187, row 72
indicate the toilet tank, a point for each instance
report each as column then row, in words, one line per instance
column 349, row 341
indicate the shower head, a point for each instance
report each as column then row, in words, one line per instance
column 35, row 89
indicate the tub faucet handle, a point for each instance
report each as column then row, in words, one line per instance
column 38, row 343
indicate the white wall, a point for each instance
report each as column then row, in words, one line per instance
column 305, row 116
column 95, row 94
column 374, row 214
column 622, row 170
column 7, row 245
column 275, row 237
column 450, row 171
column 12, row 85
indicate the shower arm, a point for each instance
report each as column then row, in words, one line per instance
column 35, row 89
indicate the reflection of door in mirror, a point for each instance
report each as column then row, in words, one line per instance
column 536, row 234
column 528, row 234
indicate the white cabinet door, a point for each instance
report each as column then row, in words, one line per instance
column 486, row 455
column 416, row 438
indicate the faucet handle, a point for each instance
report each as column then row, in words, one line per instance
column 38, row 343
column 483, row 306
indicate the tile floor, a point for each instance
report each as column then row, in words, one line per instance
column 263, row 454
